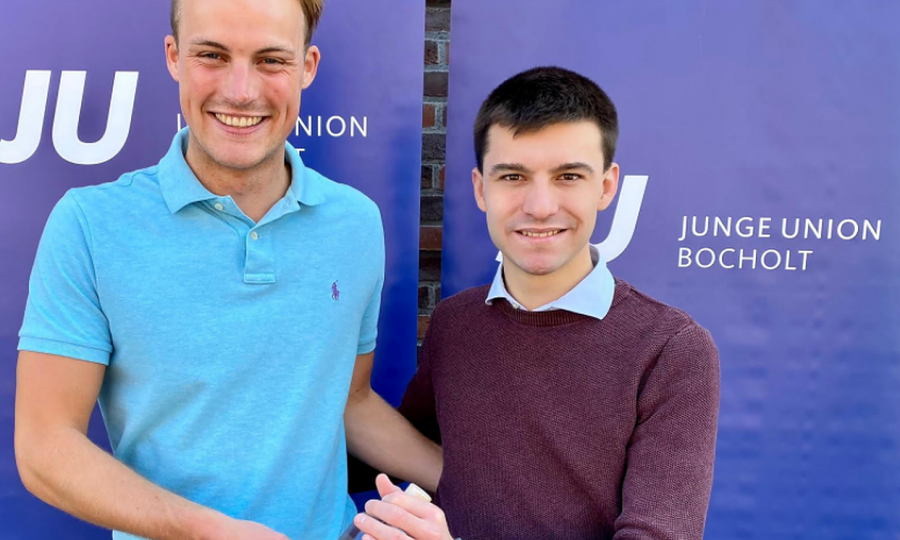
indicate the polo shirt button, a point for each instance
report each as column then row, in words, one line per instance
column 254, row 236
column 219, row 206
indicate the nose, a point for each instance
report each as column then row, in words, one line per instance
column 541, row 200
column 242, row 83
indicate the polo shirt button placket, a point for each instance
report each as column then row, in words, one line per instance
column 259, row 264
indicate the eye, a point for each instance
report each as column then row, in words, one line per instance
column 272, row 62
column 210, row 56
column 571, row 177
column 511, row 177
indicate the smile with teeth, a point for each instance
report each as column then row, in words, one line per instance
column 239, row 121
column 545, row 234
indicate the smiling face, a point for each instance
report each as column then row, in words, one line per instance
column 541, row 191
column 241, row 66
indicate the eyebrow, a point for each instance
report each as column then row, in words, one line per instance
column 518, row 167
column 575, row 165
column 207, row 43
column 514, row 167
column 217, row 45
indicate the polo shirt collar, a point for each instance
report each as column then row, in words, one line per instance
column 180, row 186
column 307, row 187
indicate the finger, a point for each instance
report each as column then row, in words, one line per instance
column 385, row 486
column 398, row 517
column 375, row 530
column 417, row 507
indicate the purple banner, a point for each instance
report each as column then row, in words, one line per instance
column 759, row 153
column 85, row 96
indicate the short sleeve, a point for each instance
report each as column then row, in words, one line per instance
column 368, row 331
column 63, row 315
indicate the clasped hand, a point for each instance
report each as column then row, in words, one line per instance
column 399, row 516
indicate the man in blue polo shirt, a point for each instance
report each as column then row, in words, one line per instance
column 221, row 305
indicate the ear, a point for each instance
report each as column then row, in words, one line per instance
column 478, row 188
column 310, row 65
column 610, row 186
column 172, row 57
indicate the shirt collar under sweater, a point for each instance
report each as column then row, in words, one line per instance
column 591, row 297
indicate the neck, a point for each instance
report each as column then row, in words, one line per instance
column 533, row 291
column 254, row 190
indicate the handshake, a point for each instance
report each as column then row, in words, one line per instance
column 399, row 515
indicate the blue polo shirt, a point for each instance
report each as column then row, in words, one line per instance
column 229, row 344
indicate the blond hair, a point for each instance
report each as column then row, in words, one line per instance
column 312, row 11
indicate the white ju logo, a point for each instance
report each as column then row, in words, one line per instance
column 68, row 113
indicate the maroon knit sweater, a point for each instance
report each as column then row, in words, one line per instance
column 560, row 426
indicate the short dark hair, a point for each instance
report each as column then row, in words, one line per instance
column 544, row 96
column 312, row 11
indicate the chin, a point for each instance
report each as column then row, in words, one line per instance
column 236, row 159
column 542, row 270
column 537, row 268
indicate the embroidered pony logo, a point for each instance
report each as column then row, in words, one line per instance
column 335, row 293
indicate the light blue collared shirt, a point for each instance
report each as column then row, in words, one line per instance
column 592, row 296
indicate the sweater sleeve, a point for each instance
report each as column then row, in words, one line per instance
column 669, row 475
column 418, row 405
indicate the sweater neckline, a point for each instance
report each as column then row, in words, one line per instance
column 553, row 317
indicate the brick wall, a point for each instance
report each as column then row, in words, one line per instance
column 434, row 140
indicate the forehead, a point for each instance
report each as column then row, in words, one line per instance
column 227, row 21
column 547, row 147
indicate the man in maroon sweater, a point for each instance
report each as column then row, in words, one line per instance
column 569, row 404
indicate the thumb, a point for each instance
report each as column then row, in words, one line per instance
column 385, row 486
